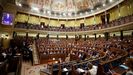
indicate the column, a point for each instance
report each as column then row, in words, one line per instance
column 48, row 23
column 47, row 36
column 26, row 35
column 95, row 36
column 37, row 36
column 57, row 37
column 59, row 23
column 76, row 37
column 121, row 35
column 85, row 37
column 66, row 36
column 106, row 35
column 119, row 10
column 105, row 17
column 94, row 19
column 14, row 34
column 27, row 22
column 75, row 23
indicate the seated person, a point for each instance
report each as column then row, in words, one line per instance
column 80, row 70
column 3, row 56
column 129, row 63
column 93, row 69
column 67, row 59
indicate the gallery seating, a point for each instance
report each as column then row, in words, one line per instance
column 117, row 22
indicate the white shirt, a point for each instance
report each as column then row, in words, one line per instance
column 4, row 54
column 129, row 73
column 80, row 70
column 67, row 59
column 93, row 71
column 65, row 69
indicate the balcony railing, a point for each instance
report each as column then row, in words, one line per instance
column 118, row 22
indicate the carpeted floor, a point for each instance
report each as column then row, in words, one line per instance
column 27, row 69
column 12, row 73
column 35, row 55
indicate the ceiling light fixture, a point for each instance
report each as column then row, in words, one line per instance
column 80, row 14
column 91, row 10
column 110, row 0
column 42, row 26
column 104, row 4
column 44, row 12
column 48, row 12
column 19, row 4
column 69, row 14
column 86, row 12
column 35, row 9
column 64, row 14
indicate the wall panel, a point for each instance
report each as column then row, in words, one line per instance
column 54, row 23
column 114, row 14
column 89, row 21
column 21, row 18
column 62, row 22
column 34, row 20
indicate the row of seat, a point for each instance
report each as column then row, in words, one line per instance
column 92, row 49
column 74, row 49
column 83, row 67
column 70, row 68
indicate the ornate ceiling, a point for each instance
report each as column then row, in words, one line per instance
column 64, row 8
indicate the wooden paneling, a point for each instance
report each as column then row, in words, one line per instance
column 89, row 21
column 21, row 18
column 114, row 14
column 34, row 20
column 70, row 23
column 54, row 23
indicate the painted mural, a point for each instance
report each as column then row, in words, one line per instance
column 62, row 6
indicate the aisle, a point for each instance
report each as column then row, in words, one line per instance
column 28, row 69
column 35, row 55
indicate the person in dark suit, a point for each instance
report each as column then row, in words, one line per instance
column 84, row 56
column 129, row 63
column 1, row 57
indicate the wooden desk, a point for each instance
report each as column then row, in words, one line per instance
column 45, row 72
column 119, row 70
